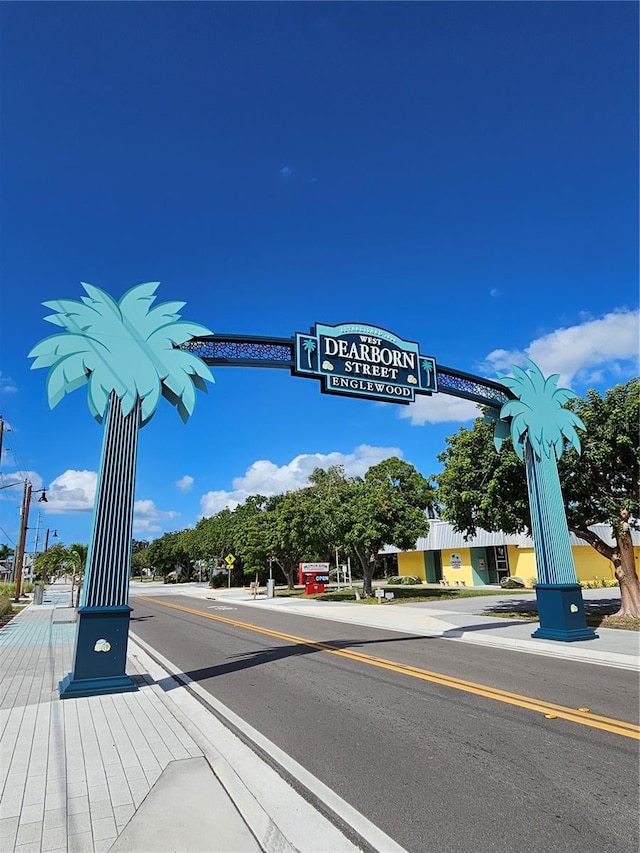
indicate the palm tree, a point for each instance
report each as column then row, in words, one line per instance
column 126, row 353
column 539, row 429
column 62, row 560
column 309, row 346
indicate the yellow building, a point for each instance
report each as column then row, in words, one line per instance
column 447, row 557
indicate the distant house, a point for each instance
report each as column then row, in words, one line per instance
column 444, row 556
column 6, row 570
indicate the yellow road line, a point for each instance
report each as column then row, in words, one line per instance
column 608, row 724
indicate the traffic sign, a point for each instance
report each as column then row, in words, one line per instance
column 229, row 560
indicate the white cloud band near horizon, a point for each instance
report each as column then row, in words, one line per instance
column 75, row 491
column 266, row 478
column 583, row 354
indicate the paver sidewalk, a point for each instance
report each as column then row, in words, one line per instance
column 147, row 771
column 72, row 772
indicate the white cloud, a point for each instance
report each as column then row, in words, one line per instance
column 586, row 352
column 72, row 491
column 494, row 292
column 440, row 408
column 13, row 485
column 185, row 483
column 147, row 517
column 7, row 385
column 266, row 478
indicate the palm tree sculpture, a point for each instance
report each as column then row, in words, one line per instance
column 539, row 429
column 126, row 353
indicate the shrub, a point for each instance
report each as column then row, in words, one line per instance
column 9, row 588
column 599, row 583
column 218, row 580
column 5, row 604
column 404, row 579
column 512, row 583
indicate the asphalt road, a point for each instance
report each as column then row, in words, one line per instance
column 437, row 766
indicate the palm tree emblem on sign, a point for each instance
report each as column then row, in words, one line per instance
column 126, row 353
column 539, row 429
column 428, row 368
column 309, row 346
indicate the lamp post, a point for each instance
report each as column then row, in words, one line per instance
column 46, row 538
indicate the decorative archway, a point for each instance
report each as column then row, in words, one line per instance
column 130, row 354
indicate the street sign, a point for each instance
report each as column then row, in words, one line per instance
column 229, row 560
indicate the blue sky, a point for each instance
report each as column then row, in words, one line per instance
column 462, row 174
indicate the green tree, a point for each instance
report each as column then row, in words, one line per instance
column 388, row 507
column 602, row 484
column 213, row 538
column 249, row 545
column 140, row 562
column 169, row 554
column 290, row 531
column 482, row 488
column 63, row 560
column 50, row 563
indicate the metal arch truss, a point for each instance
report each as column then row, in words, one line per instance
column 242, row 351
column 249, row 351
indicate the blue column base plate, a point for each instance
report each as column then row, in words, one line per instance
column 71, row 688
column 564, row 636
column 100, row 655
column 561, row 613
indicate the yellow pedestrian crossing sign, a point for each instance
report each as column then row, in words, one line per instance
column 229, row 560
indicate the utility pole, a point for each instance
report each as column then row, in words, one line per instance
column 24, row 521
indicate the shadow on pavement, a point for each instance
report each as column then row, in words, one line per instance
column 277, row 653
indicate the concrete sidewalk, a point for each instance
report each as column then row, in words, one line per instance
column 152, row 770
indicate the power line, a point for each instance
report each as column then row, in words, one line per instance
column 4, row 532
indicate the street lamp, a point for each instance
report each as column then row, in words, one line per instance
column 46, row 538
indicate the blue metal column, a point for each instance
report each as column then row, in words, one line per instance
column 103, row 618
column 559, row 595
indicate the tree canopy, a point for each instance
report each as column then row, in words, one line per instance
column 482, row 488
column 357, row 515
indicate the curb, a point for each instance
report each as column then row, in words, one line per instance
column 357, row 831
